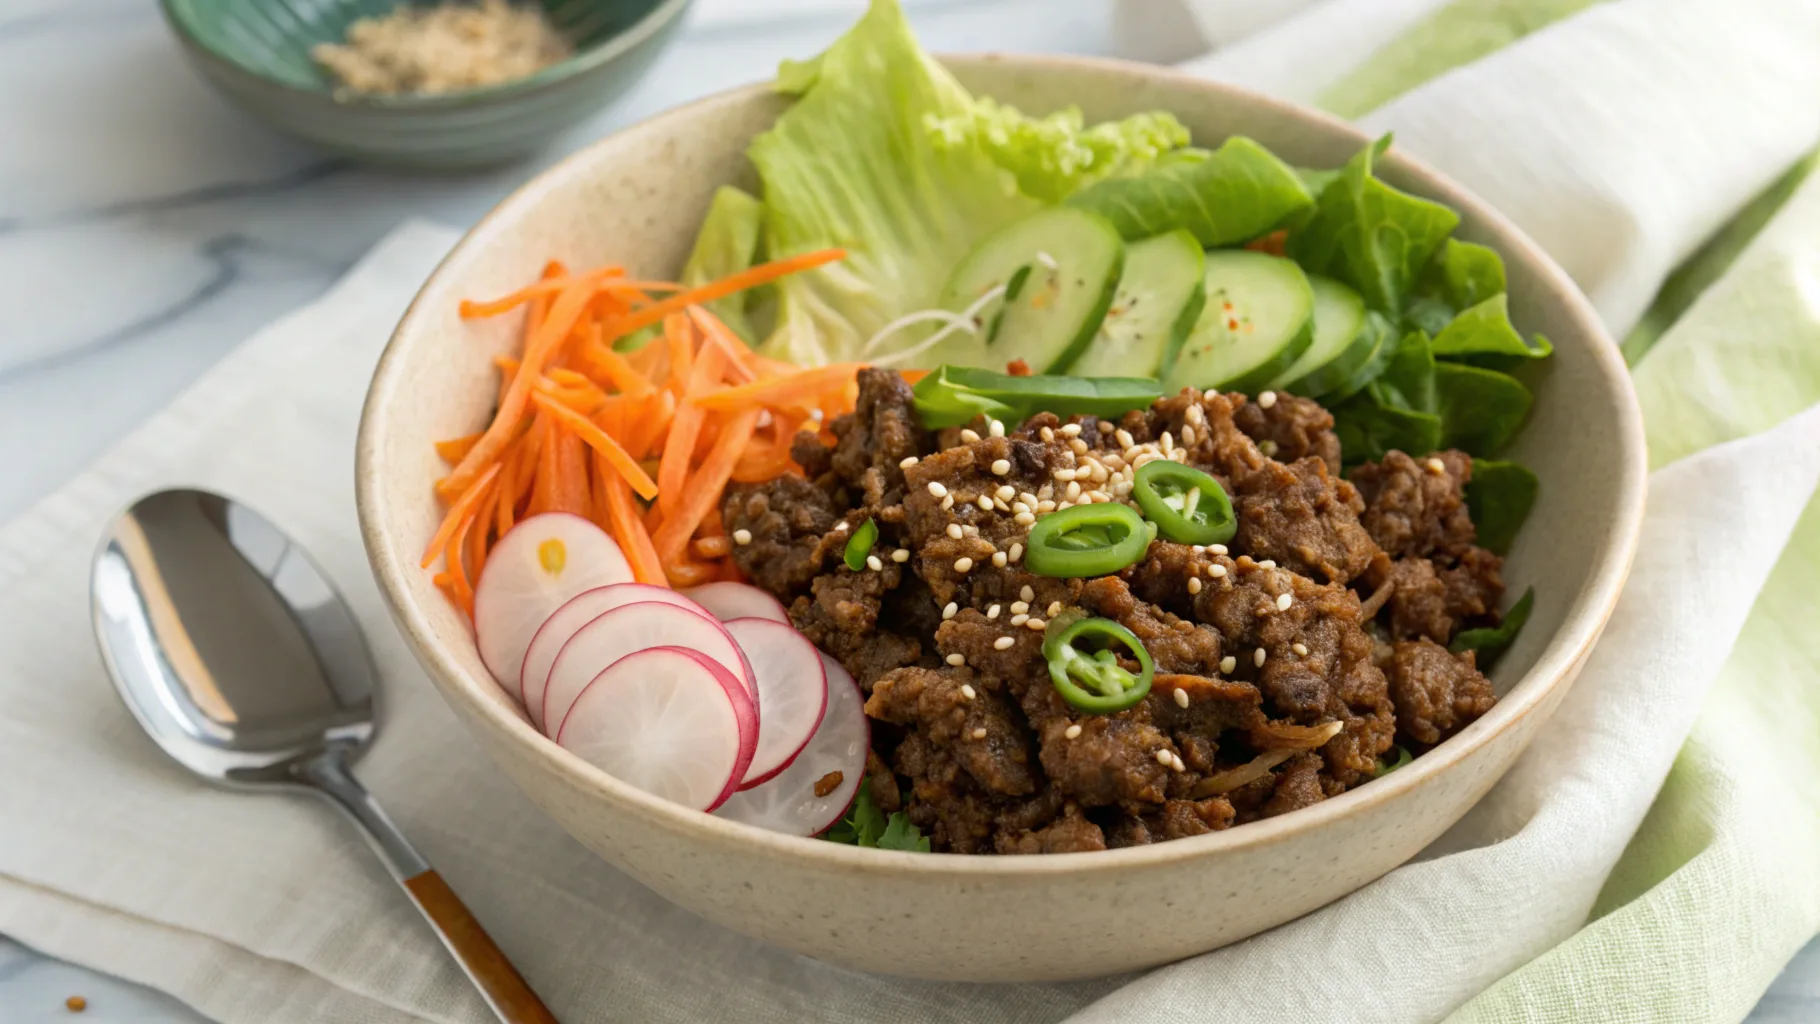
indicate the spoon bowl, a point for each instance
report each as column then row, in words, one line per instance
column 236, row 655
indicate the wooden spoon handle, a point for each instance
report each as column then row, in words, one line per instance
column 504, row 988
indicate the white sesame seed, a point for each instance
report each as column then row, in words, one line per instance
column 1046, row 434
column 1267, row 564
column 992, row 612
column 1019, row 507
column 1001, row 466
column 1194, row 584
column 1003, row 643
column 1194, row 415
column 1218, row 549
column 957, row 660
column 1257, row 657
column 1019, row 619
column 954, row 530
column 1267, row 399
column 949, row 610
column 970, row 436
column 1064, row 474
column 1105, row 426
column 936, row 489
column 1166, row 443
column 963, row 564
column 1072, row 731
column 1228, row 664
column 1123, row 437
column 1216, row 570
column 742, row 537
column 908, row 461
column 995, row 428
column 1027, row 593
column 874, row 563
column 1034, row 623
column 1045, row 506
column 1024, row 519
column 1164, row 759
column 901, row 555
column 998, row 559
column 1079, row 446
column 1017, row 550
column 1301, row 649
column 840, row 527
column 1020, row 607
column 1074, row 491
column 1187, row 434
column 985, row 503
column 1175, row 761
column 1283, row 602
column 1072, row 429
column 1054, row 609
column 1181, row 697
column 947, row 502
column 967, row 689
column 1436, row 466
column 1005, row 492
column 979, row 732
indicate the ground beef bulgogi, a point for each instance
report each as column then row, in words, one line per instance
column 1289, row 662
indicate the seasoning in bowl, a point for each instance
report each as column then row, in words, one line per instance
column 442, row 49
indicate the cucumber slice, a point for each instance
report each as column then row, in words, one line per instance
column 1385, row 343
column 1339, row 316
column 1060, row 267
column 1258, row 321
column 1159, row 298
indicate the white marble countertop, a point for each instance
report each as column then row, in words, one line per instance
column 146, row 229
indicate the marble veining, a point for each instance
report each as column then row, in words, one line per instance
column 146, row 228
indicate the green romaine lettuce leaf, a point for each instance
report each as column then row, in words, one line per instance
column 1499, row 496
column 1480, row 409
column 1234, row 194
column 1489, row 643
column 1057, row 155
column 1408, row 379
column 1485, row 330
column 1368, row 428
column 1462, row 274
column 1371, row 236
column 852, row 163
column 726, row 244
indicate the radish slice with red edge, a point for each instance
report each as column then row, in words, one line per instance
column 629, row 629
column 577, row 612
column 670, row 721
column 726, row 601
column 536, row 567
column 788, row 803
column 792, row 688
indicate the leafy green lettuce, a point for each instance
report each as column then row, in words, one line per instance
column 1057, row 155
column 727, row 244
column 1233, row 194
column 853, row 163
column 1489, row 643
column 1371, row 236
column 1499, row 496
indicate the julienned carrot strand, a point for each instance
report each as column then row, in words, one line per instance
column 691, row 574
column 705, row 489
column 460, row 508
column 543, row 485
column 729, row 285
column 685, row 429
column 478, row 529
column 680, row 346
column 720, row 336
column 610, row 277
column 653, row 424
column 453, row 449
column 549, row 334
column 627, row 528
column 597, row 439
column 606, row 363
column 803, row 389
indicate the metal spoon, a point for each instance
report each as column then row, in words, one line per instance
column 238, row 658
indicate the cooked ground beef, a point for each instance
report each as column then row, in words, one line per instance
column 1268, row 666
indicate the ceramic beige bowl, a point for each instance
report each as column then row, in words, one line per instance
column 636, row 198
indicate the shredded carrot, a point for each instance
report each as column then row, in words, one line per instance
column 722, row 337
column 549, row 284
column 451, row 451
column 629, row 530
column 685, row 430
column 457, row 512
column 612, row 367
column 597, row 439
column 681, row 348
column 804, row 389
column 570, row 493
column 729, row 285
column 704, row 491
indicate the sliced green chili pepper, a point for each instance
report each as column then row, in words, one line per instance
column 860, row 545
column 1087, row 540
column 1386, row 767
column 952, row 395
column 1187, row 505
column 1094, row 681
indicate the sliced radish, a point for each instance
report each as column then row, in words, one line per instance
column 792, row 688
column 531, row 571
column 577, row 612
column 627, row 630
column 788, row 802
column 727, row 601
column 670, row 721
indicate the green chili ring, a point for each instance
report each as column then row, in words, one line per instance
column 1187, row 505
column 1087, row 540
column 860, row 545
column 1095, row 683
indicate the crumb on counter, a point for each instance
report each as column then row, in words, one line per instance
column 445, row 48
column 75, row 1004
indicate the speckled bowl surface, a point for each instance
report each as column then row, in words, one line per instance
column 257, row 53
column 637, row 198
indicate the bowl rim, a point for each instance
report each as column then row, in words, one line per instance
column 1554, row 669
column 544, row 80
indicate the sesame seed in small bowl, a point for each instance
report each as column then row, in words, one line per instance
column 435, row 86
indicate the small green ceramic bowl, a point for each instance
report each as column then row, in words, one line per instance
column 257, row 52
